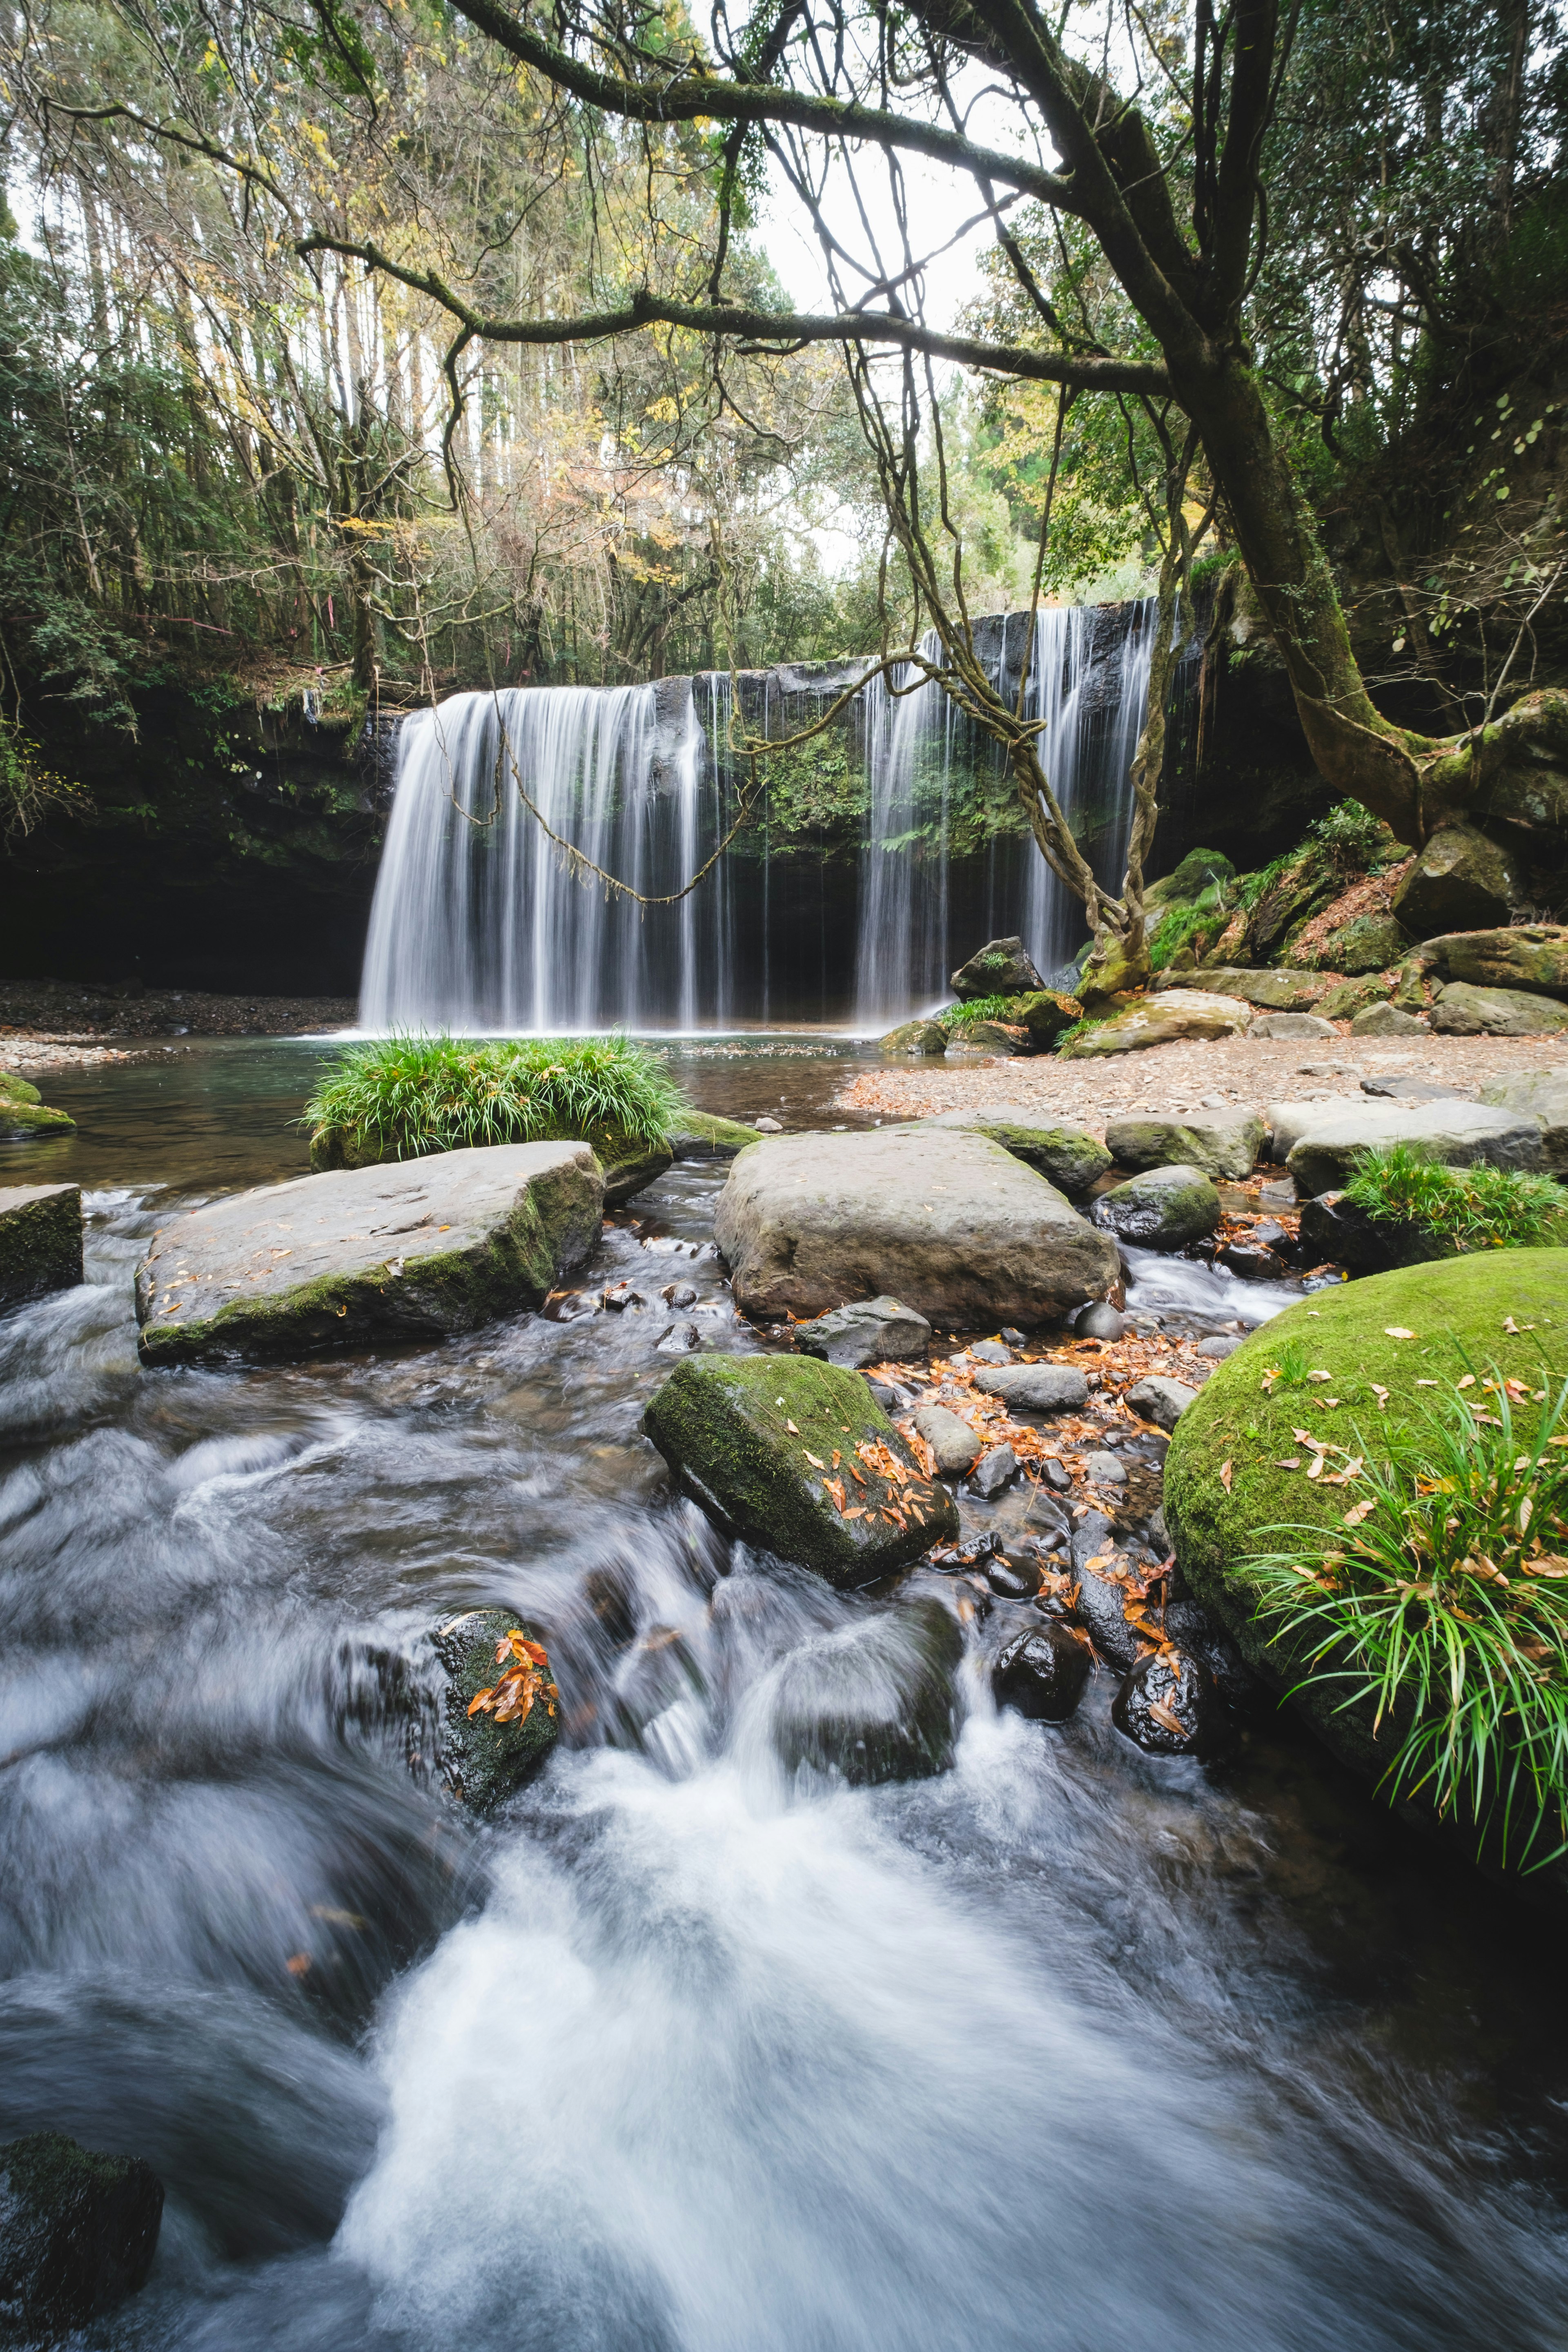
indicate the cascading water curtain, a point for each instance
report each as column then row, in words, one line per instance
column 477, row 925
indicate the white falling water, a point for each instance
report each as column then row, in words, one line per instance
column 1093, row 712
column 477, row 925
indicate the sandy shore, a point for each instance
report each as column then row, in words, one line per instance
column 1246, row 1071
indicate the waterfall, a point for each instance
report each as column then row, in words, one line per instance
column 477, row 924
column 1091, row 698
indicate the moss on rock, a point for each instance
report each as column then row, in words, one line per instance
column 698, row 1135
column 484, row 1761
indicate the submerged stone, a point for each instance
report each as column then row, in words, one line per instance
column 40, row 1240
column 78, row 2232
column 873, row 1701
column 1171, row 1705
column 487, row 1754
column 413, row 1249
column 698, row 1135
column 794, row 1456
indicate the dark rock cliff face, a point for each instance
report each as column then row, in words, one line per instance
column 227, row 848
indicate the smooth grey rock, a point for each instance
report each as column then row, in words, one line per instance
column 1160, row 1400
column 990, row 1351
column 1544, row 1095
column 1461, row 881
column 949, row 1222
column 1176, row 1012
column 1290, row 1024
column 408, row 1249
column 1289, row 1121
column 872, row 1331
column 1034, row 1388
column 1220, row 1344
column 1462, row 1009
column 1222, row 1144
column 77, row 2233
column 951, row 1441
column 1000, row 968
column 1457, row 1133
column 40, row 1240
column 1105, row 1470
column 993, row 1471
column 1270, row 989
column 1385, row 1020
column 1164, row 1209
column 1099, row 1321
column 739, row 1431
column 1410, row 1090
column 768, row 1126
column 1064, row 1153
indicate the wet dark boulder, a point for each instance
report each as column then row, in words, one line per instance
column 1101, row 1610
column 1014, row 1579
column 1000, row 968
column 1042, row 1674
column 78, row 2232
column 871, row 1701
column 1170, row 1705
column 1192, row 1629
column 501, row 1711
column 40, row 1240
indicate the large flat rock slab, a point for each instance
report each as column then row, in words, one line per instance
column 794, row 1457
column 1533, row 957
column 40, row 1240
column 1321, row 1152
column 947, row 1221
column 1158, row 1020
column 1544, row 1092
column 413, row 1249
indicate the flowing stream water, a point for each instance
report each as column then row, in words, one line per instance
column 1066, row 2047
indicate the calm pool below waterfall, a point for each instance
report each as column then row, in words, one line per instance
column 1066, row 2049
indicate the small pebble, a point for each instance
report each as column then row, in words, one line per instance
column 1104, row 1470
column 990, row 1351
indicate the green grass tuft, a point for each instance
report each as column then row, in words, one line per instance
column 1469, row 1208
column 410, row 1096
column 1446, row 1607
column 979, row 1008
column 1195, row 926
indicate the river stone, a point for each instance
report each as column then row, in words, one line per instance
column 1002, row 967
column 483, row 1761
column 1366, row 944
column 1270, row 991
column 1459, row 1133
column 23, row 1115
column 994, row 1037
column 1041, row 1674
column 1064, row 1153
column 873, row 1331
column 995, row 1469
column 18, row 1089
column 1544, row 1093
column 78, row 2232
column 411, row 1249
column 1395, row 1088
column 1461, row 881
column 872, row 1701
column 1334, row 1229
column 1160, row 1400
column 1496, row 1308
column 1165, row 1208
column 949, row 1222
column 1385, row 1020
column 1158, row 1020
column 724, row 1425
column 1102, row 1595
column 1534, row 957
column 1352, row 996
column 1291, row 1024
column 40, row 1240
column 1099, row 1321
column 1034, row 1388
column 924, row 1037
column 1224, row 1144
column 629, row 1166
column 1170, row 1705
column 952, row 1443
column 698, row 1135
column 1463, row 1011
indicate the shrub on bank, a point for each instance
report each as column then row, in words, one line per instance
column 402, row 1097
column 1465, row 1208
column 1442, row 1601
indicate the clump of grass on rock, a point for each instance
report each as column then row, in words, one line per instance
column 1466, row 1208
column 1443, row 1601
column 403, row 1098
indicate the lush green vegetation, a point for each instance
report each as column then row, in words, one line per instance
column 979, row 1008
column 1469, row 1208
column 1444, row 1602
column 1195, row 926
column 409, row 1095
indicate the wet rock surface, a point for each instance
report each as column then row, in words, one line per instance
column 1161, row 1400
column 1042, row 1674
column 500, row 1711
column 872, row 1331
column 1171, row 1705
column 1162, row 1209
column 954, row 1443
column 1034, row 1388
column 873, row 1701
column 40, row 1240
column 77, row 2233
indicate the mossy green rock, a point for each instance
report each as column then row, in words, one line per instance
column 1366, row 944
column 995, row 1037
column 1352, row 996
column 1044, row 1014
column 1460, row 880
column 77, row 2233
column 1534, row 957
column 1199, row 871
column 1065, row 1154
column 1002, row 967
column 484, row 1761
column 1163, row 1209
column 13, row 1089
column 1271, row 992
column 1463, row 1010
column 699, row 1135
column 1223, row 1145
column 40, row 1240
column 413, row 1249
column 629, row 1165
column 1157, row 1020
column 739, row 1433
column 24, row 1115
column 1227, row 1493
column 928, row 1038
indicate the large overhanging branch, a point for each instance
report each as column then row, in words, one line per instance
column 760, row 330
column 690, row 95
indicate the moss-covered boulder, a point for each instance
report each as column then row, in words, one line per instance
column 699, row 1135
column 1462, row 881
column 500, row 1713
column 1004, row 1037
column 1163, row 1209
column 77, row 2234
column 1199, row 871
column 1224, row 1144
column 1046, row 1013
column 1349, row 997
column 1111, row 976
column 1000, row 968
column 1534, row 957
column 40, row 1240
column 24, row 1112
column 793, row 1456
column 926, row 1039
column 1270, row 992
column 1463, row 1010
column 872, row 1701
column 629, row 1165
column 414, row 1249
column 1366, row 944
column 1157, row 1020
column 1064, row 1153
column 1236, row 1472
